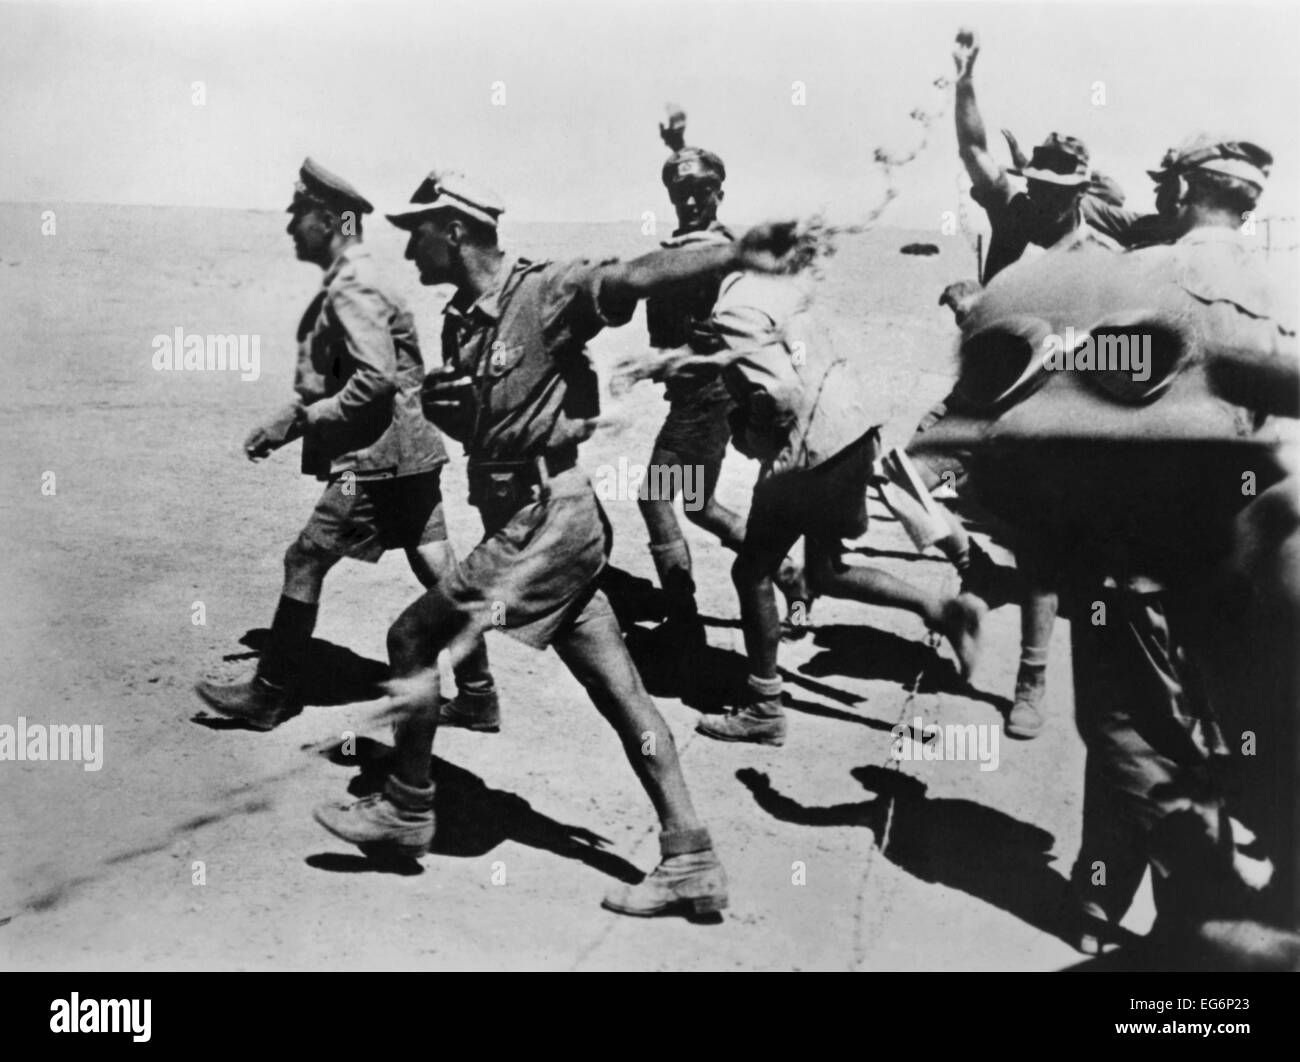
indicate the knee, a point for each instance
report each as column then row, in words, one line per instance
column 404, row 641
column 707, row 516
column 301, row 558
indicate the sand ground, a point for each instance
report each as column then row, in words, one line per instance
column 155, row 509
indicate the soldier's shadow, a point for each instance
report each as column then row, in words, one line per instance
column 472, row 819
column 869, row 653
column 332, row 674
column 954, row 842
column 632, row 598
column 706, row 679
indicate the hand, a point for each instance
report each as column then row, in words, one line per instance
column 964, row 55
column 285, row 425
column 770, row 247
column 446, row 391
column 960, row 298
column 673, row 131
column 409, row 695
column 1018, row 158
column 258, row 445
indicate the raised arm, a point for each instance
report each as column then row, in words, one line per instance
column 972, row 141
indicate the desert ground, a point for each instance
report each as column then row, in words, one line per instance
column 839, row 857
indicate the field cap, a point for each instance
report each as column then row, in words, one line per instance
column 1232, row 158
column 1057, row 160
column 693, row 164
column 316, row 186
column 446, row 190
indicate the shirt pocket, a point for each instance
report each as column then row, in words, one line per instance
column 509, row 379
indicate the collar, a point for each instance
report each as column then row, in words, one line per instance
column 489, row 303
column 350, row 253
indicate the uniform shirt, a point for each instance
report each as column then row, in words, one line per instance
column 1015, row 225
column 1240, row 302
column 523, row 342
column 682, row 318
column 799, row 402
column 359, row 374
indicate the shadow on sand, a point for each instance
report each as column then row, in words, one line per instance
column 472, row 819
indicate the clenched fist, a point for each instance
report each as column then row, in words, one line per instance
column 968, row 47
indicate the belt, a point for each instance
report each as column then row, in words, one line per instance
column 510, row 485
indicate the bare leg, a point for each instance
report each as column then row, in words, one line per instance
column 594, row 651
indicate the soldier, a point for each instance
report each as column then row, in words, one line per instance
column 1154, row 460
column 1065, row 205
column 695, row 432
column 800, row 413
column 519, row 391
column 1155, row 767
column 357, row 409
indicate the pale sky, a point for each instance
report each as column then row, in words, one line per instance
column 96, row 98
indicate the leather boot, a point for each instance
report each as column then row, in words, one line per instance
column 472, row 709
column 257, row 704
column 1025, row 719
column 400, row 819
column 689, row 879
column 761, row 720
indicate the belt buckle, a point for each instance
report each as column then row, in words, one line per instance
column 501, row 486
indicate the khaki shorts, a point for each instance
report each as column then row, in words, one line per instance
column 826, row 503
column 362, row 519
column 536, row 571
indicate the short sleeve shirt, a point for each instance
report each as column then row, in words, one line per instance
column 524, row 344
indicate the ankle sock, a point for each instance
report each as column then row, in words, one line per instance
column 684, row 842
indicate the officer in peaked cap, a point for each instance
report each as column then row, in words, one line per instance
column 357, row 408
column 318, row 187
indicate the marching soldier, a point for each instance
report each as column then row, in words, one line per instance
column 801, row 415
column 357, row 409
column 519, row 391
column 695, row 432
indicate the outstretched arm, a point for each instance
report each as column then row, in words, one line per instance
column 972, row 141
column 765, row 248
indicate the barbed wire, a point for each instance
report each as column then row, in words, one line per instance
column 816, row 238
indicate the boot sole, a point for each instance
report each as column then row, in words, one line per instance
column 776, row 742
column 252, row 724
column 478, row 728
column 691, row 907
column 380, row 849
